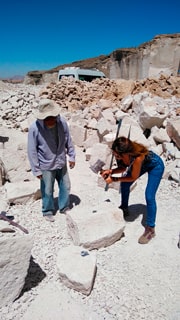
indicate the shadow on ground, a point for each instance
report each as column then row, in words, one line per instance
column 34, row 276
column 73, row 199
column 135, row 211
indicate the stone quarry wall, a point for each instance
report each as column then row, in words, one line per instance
column 151, row 59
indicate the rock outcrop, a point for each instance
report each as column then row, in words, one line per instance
column 150, row 59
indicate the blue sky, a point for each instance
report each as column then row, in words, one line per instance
column 40, row 35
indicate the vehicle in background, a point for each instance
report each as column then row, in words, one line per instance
column 80, row 74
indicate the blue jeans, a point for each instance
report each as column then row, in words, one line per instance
column 47, row 189
column 154, row 166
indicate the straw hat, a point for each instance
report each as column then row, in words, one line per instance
column 46, row 108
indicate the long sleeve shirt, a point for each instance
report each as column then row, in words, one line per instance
column 44, row 152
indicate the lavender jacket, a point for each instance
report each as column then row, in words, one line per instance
column 43, row 152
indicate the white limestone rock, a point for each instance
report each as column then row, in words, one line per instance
column 77, row 268
column 96, row 227
column 15, row 255
column 20, row 192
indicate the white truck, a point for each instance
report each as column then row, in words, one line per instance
column 80, row 74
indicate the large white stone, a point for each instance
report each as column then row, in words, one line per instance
column 173, row 130
column 77, row 268
column 20, row 192
column 78, row 134
column 15, row 255
column 96, row 227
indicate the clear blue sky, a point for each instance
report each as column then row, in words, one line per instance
column 40, row 35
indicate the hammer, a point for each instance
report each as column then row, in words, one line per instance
column 98, row 165
column 112, row 157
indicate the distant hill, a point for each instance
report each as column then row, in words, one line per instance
column 99, row 62
column 14, row 79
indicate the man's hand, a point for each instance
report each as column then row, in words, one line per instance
column 71, row 164
column 39, row 177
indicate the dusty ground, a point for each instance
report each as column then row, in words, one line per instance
column 133, row 281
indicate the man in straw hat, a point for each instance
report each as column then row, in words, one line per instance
column 49, row 143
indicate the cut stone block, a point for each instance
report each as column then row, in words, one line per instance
column 20, row 192
column 77, row 268
column 95, row 228
column 15, row 256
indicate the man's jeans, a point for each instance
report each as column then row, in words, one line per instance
column 155, row 168
column 47, row 189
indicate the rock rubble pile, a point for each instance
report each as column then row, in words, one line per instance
column 93, row 109
column 77, row 94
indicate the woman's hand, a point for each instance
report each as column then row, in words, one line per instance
column 105, row 173
column 109, row 180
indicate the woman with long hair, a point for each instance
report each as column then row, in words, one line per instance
column 133, row 160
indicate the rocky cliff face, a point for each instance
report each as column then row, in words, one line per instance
column 151, row 59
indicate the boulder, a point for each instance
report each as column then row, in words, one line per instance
column 15, row 256
column 94, row 228
column 77, row 268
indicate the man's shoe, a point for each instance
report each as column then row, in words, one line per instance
column 148, row 234
column 64, row 210
column 49, row 217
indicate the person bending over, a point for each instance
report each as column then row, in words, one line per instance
column 133, row 160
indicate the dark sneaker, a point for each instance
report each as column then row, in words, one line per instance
column 49, row 217
column 125, row 211
column 148, row 234
column 64, row 210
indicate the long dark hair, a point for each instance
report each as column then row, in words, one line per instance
column 124, row 145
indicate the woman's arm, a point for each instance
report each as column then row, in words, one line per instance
column 106, row 172
column 135, row 172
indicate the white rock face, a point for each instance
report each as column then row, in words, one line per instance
column 148, row 60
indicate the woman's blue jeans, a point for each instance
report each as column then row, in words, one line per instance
column 47, row 189
column 155, row 168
